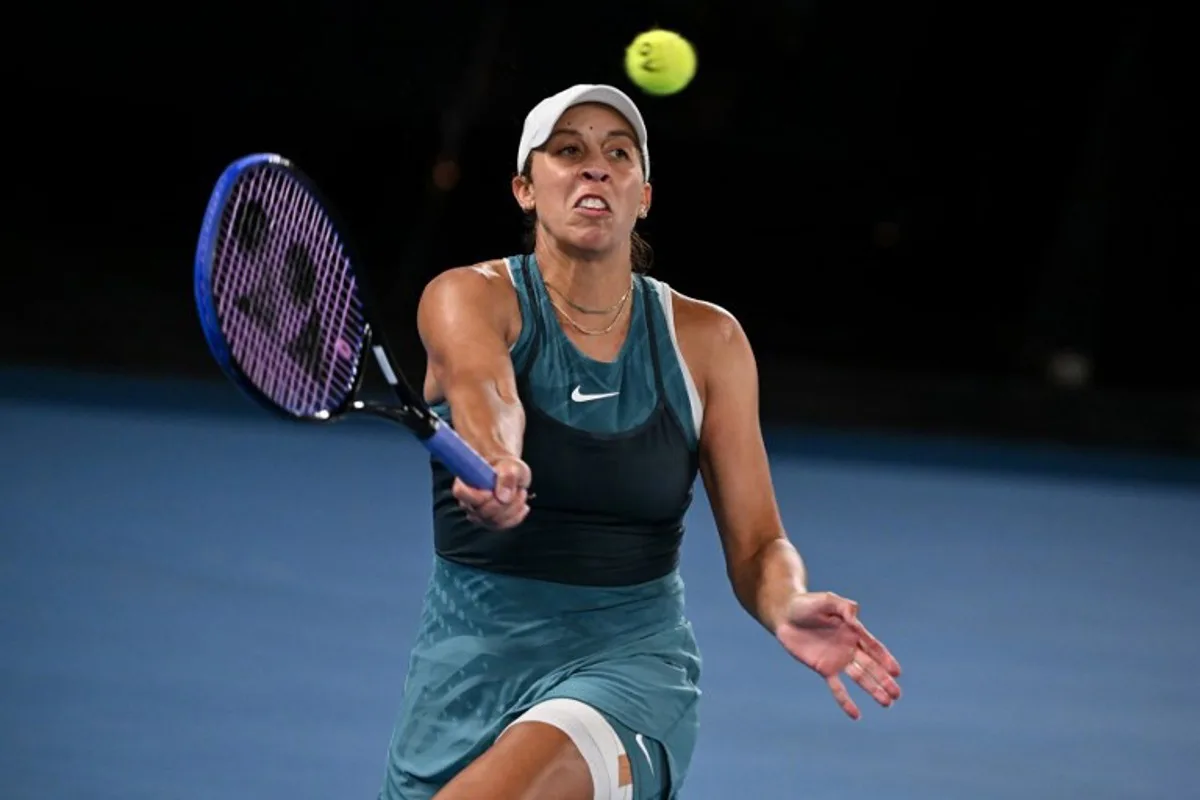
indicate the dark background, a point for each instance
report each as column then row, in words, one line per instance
column 946, row 222
column 932, row 218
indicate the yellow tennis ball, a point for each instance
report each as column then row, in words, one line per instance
column 660, row 62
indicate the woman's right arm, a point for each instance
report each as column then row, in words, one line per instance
column 466, row 318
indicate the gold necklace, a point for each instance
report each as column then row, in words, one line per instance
column 584, row 310
column 620, row 306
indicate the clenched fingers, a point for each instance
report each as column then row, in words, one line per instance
column 482, row 507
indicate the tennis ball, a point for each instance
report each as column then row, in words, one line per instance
column 660, row 62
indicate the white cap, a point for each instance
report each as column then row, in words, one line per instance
column 540, row 122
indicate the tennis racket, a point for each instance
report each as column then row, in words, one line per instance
column 287, row 316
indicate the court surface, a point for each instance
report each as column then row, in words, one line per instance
column 199, row 602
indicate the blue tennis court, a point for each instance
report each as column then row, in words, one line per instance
column 199, row 602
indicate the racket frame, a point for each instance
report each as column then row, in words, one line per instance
column 410, row 410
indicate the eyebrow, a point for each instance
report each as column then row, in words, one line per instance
column 615, row 133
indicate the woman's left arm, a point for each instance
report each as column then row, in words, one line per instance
column 822, row 629
column 764, row 567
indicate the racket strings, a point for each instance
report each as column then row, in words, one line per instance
column 286, row 295
column 254, row 285
column 254, row 257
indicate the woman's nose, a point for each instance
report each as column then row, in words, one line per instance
column 595, row 174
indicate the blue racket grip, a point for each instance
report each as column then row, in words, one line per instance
column 460, row 458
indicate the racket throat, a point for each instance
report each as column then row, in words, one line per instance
column 419, row 423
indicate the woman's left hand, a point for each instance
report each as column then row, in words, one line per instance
column 822, row 631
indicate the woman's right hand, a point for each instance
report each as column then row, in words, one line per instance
column 505, row 506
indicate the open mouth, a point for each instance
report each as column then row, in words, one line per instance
column 592, row 204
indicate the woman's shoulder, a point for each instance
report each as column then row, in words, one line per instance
column 492, row 272
column 707, row 333
column 485, row 286
column 696, row 319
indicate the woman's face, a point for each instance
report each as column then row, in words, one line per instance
column 587, row 184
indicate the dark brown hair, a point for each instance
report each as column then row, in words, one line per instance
column 641, row 255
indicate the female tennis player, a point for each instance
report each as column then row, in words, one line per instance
column 554, row 658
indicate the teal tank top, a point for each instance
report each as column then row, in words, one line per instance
column 612, row 447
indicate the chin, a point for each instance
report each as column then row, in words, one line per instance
column 591, row 243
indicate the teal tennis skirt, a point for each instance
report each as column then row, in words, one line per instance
column 491, row 646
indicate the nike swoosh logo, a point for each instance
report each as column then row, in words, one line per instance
column 579, row 397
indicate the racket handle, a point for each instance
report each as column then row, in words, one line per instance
column 460, row 458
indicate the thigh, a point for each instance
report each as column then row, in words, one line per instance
column 624, row 764
column 559, row 749
column 647, row 760
column 562, row 747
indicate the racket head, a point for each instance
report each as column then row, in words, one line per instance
column 279, row 302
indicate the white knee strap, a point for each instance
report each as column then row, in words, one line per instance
column 595, row 739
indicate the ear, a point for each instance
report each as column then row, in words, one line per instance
column 647, row 197
column 522, row 189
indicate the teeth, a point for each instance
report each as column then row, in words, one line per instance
column 592, row 202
